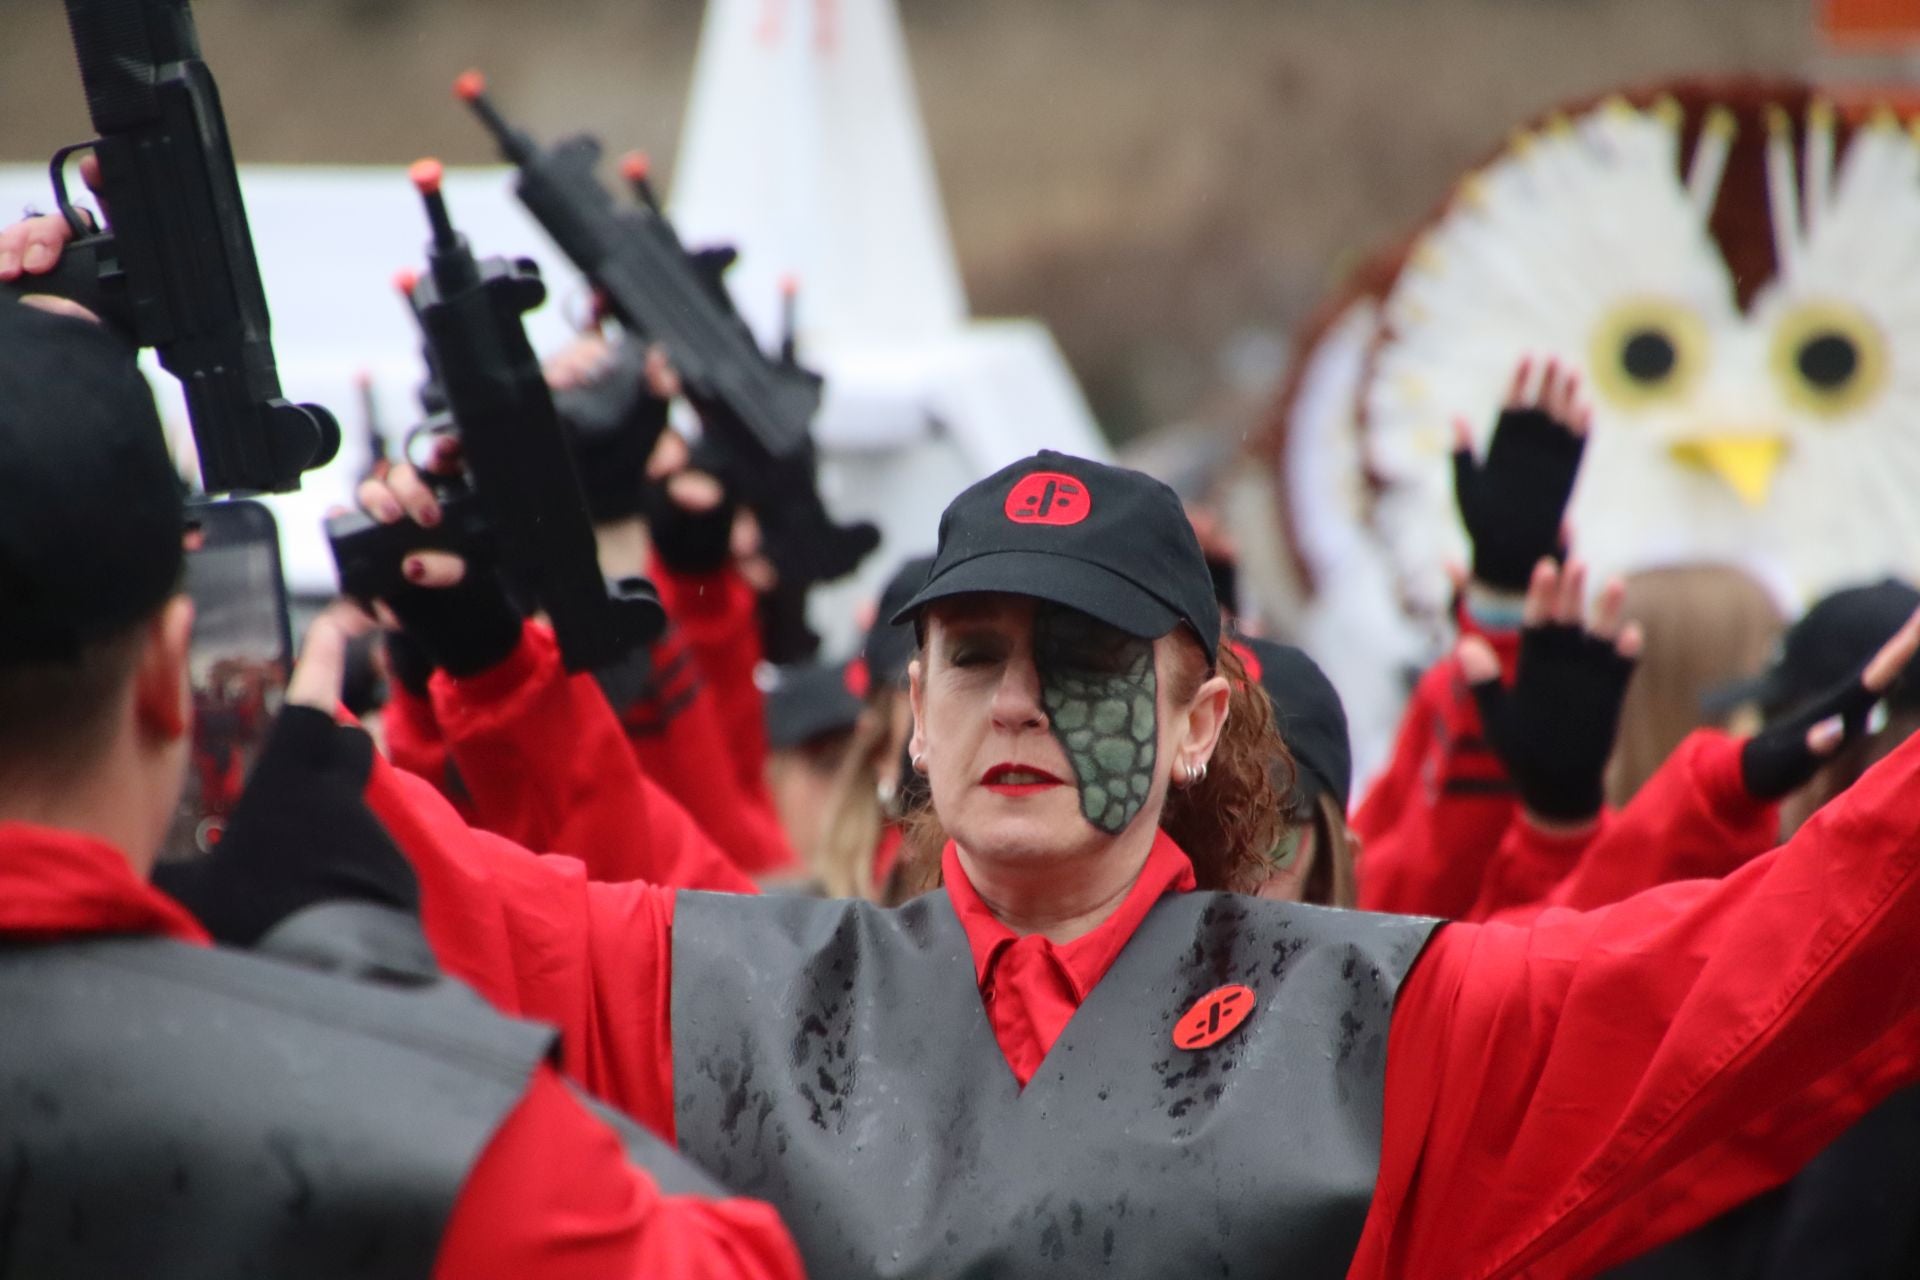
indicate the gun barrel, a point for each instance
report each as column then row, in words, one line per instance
column 517, row 147
column 637, row 169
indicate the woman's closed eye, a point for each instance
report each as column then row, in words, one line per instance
column 976, row 651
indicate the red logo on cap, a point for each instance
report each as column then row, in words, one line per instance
column 1047, row 497
column 857, row 678
column 1213, row 1019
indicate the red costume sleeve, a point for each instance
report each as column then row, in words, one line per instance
column 410, row 735
column 1693, row 820
column 1548, row 1087
column 1431, row 825
column 554, row 1197
column 548, row 767
column 720, row 616
column 677, row 737
column 536, row 937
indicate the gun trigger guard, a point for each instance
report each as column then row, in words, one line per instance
column 57, row 170
column 438, row 426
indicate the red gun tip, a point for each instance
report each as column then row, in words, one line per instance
column 405, row 279
column 363, row 380
column 426, row 175
column 469, row 85
column 789, row 285
column 635, row 166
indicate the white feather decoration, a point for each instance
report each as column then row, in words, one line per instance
column 1587, row 228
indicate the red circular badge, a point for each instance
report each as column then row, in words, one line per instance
column 1213, row 1018
column 1047, row 497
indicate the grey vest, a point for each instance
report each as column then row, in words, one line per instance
column 835, row 1059
column 173, row 1111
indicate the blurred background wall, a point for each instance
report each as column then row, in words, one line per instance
column 1170, row 186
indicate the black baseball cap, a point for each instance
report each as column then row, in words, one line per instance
column 1114, row 544
column 889, row 645
column 1309, row 714
column 1828, row 646
column 810, row 700
column 91, row 509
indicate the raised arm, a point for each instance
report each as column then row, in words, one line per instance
column 548, row 766
column 1541, row 1079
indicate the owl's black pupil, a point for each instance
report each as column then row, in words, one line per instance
column 1648, row 355
column 1828, row 360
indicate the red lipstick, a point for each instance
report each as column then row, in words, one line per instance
column 1019, row 780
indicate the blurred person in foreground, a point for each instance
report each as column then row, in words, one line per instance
column 326, row 1105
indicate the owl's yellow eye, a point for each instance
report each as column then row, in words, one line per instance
column 1830, row 358
column 1647, row 350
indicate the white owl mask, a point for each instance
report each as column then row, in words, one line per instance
column 1784, row 438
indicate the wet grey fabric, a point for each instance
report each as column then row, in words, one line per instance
column 835, row 1059
column 174, row 1111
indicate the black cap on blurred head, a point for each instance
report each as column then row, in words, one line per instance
column 1112, row 543
column 889, row 645
column 1310, row 716
column 91, row 509
column 811, row 700
column 1829, row 645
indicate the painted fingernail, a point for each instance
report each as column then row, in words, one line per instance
column 430, row 515
column 414, row 568
column 37, row 258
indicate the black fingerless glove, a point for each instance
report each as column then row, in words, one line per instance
column 1555, row 728
column 464, row 629
column 1777, row 761
column 407, row 662
column 1514, row 502
column 301, row 835
column 612, row 424
column 692, row 542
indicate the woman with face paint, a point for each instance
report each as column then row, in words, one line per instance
column 1080, row 1054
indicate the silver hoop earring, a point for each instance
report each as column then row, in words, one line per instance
column 919, row 762
column 1186, row 775
column 1200, row 772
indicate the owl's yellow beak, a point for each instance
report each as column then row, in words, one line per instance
column 1746, row 463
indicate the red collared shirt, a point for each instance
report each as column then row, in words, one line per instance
column 1031, row 985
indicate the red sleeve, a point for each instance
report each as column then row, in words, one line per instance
column 1426, row 842
column 537, row 938
column 554, row 1197
column 1540, row 1079
column 677, row 738
column 1693, row 820
column 410, row 735
column 548, row 767
column 720, row 615
column 1529, row 865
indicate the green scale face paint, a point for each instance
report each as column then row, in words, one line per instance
column 1099, row 688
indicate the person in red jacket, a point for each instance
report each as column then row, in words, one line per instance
column 1431, row 823
column 1065, row 1056
column 178, row 1109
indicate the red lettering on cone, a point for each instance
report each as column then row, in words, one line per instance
column 1047, row 497
column 1213, row 1017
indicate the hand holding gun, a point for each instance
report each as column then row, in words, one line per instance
column 525, row 504
column 758, row 411
column 175, row 271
